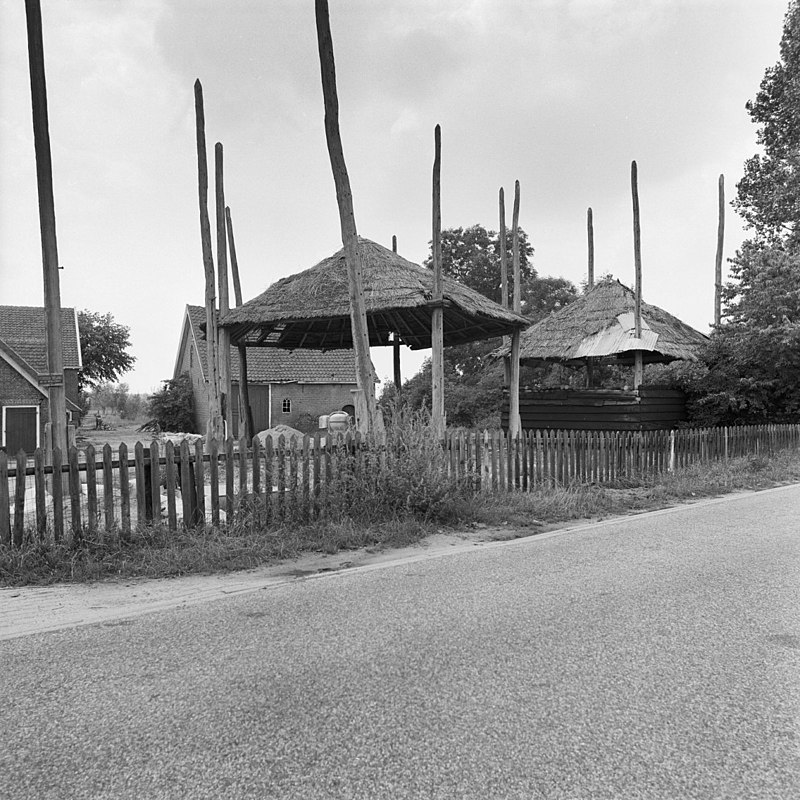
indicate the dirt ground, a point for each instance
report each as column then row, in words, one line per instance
column 117, row 432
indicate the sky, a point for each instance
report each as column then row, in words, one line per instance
column 559, row 94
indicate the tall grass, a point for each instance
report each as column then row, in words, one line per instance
column 385, row 500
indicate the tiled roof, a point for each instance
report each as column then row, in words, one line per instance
column 274, row 365
column 22, row 328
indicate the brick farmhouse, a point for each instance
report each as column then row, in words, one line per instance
column 24, row 409
column 290, row 387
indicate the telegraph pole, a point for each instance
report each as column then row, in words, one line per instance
column 47, row 225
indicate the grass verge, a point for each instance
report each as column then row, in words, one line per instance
column 157, row 553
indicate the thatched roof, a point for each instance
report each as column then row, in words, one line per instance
column 312, row 308
column 600, row 324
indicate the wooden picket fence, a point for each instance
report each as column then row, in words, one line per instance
column 94, row 495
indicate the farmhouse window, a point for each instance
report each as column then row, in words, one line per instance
column 287, row 405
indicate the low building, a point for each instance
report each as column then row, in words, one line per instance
column 289, row 387
column 24, row 406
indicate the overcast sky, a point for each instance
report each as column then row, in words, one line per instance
column 559, row 94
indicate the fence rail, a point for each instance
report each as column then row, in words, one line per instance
column 92, row 495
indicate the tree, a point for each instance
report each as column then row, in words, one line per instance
column 103, row 349
column 768, row 196
column 753, row 360
column 171, row 408
column 472, row 256
column 750, row 371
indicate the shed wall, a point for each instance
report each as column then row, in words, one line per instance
column 653, row 408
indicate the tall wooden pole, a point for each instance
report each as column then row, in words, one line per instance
column 369, row 418
column 504, row 280
column 47, row 226
column 437, row 312
column 223, row 335
column 638, row 366
column 590, row 245
column 214, row 428
column 720, row 242
column 590, row 284
column 398, row 381
column 245, row 411
column 514, row 424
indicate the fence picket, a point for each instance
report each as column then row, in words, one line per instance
column 108, row 488
column 41, row 499
column 58, row 497
column 19, row 499
column 5, row 507
column 213, row 476
column 124, row 492
column 155, row 481
column 91, row 491
column 75, row 494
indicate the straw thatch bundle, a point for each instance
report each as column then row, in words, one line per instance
column 600, row 324
column 312, row 308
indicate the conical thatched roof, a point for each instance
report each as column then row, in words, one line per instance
column 312, row 308
column 600, row 324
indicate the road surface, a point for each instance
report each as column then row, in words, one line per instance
column 657, row 656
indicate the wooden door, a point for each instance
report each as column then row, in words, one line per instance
column 20, row 432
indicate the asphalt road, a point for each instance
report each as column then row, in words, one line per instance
column 653, row 657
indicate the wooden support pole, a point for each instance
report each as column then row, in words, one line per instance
column 398, row 381
column 514, row 423
column 590, row 283
column 245, row 410
column 590, row 245
column 437, row 313
column 214, row 429
column 504, row 281
column 720, row 242
column 223, row 334
column 47, row 226
column 371, row 421
column 638, row 369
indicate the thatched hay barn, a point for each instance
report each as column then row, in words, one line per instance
column 599, row 328
column 311, row 309
column 600, row 325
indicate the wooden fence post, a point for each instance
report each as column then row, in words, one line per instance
column 108, row 488
column 19, row 499
column 75, row 494
column 5, row 505
column 124, row 493
column 39, row 483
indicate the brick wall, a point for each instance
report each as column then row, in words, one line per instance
column 308, row 400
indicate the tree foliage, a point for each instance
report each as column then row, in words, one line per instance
column 472, row 256
column 769, row 192
column 171, row 408
column 104, row 345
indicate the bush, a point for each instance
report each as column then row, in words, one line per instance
column 172, row 407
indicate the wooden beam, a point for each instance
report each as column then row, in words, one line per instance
column 398, row 381
column 590, row 247
column 214, row 429
column 371, row 421
column 514, row 424
column 56, row 392
column 720, row 242
column 638, row 369
column 245, row 411
column 223, row 334
column 437, row 313
column 504, row 281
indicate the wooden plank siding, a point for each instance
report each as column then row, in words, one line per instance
column 652, row 408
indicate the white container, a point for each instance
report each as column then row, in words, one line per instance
column 338, row 421
column 323, row 422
